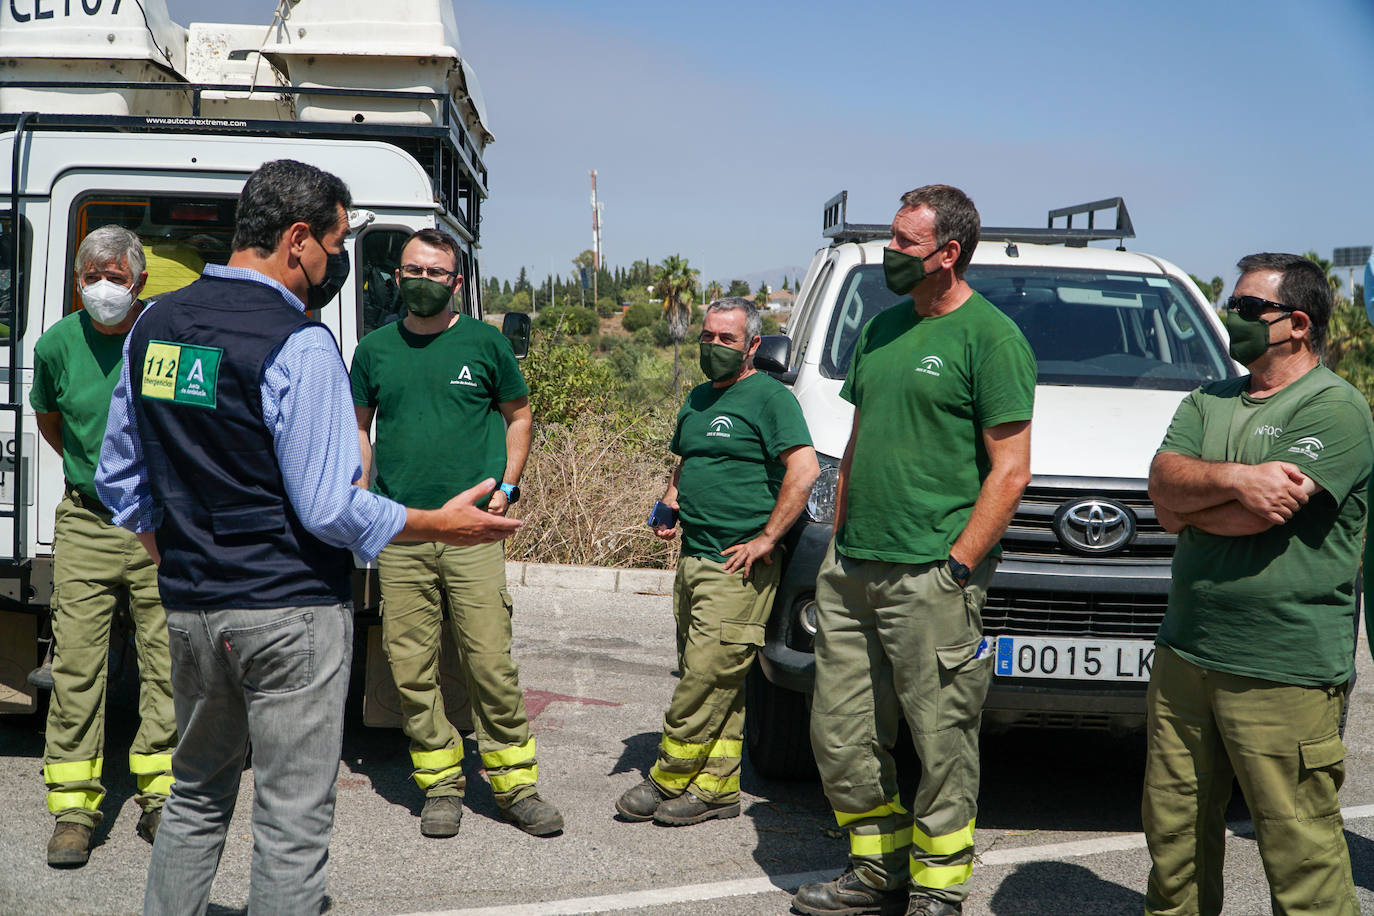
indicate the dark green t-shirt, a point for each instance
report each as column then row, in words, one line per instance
column 75, row 368
column 439, row 428
column 730, row 440
column 925, row 389
column 1278, row 605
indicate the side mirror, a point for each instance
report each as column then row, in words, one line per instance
column 515, row 327
column 773, row 354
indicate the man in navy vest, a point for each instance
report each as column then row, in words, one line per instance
column 231, row 450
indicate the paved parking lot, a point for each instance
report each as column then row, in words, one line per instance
column 1058, row 830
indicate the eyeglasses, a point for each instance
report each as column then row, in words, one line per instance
column 434, row 273
column 1249, row 307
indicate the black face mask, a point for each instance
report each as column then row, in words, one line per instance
column 336, row 267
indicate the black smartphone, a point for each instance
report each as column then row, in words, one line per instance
column 662, row 515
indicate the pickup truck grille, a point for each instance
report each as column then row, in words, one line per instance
column 1031, row 534
column 1107, row 616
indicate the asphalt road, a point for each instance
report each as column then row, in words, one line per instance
column 1058, row 829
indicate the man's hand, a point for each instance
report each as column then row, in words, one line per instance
column 1273, row 490
column 459, row 522
column 744, row 556
column 498, row 503
column 664, row 531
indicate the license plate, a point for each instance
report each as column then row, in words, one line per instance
column 1074, row 659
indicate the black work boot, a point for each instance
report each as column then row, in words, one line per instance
column 148, row 822
column 70, row 846
column 640, row 801
column 847, row 895
column 535, row 816
column 921, row 905
column 688, row 809
column 441, row 816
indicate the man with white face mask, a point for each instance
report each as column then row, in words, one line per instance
column 96, row 563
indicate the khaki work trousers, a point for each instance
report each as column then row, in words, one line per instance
column 94, row 564
column 417, row 580
column 1281, row 743
column 896, row 640
column 720, row 620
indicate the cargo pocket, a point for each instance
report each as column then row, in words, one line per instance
column 741, row 632
column 964, row 678
column 1321, row 770
column 507, row 601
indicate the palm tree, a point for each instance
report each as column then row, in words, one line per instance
column 714, row 291
column 676, row 282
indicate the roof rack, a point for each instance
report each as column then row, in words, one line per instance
column 836, row 227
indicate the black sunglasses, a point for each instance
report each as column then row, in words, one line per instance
column 1250, row 307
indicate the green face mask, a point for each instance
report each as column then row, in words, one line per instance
column 423, row 297
column 1250, row 339
column 720, row 362
column 903, row 271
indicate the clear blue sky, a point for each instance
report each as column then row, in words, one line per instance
column 719, row 128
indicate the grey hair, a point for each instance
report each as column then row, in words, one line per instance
column 111, row 243
column 753, row 321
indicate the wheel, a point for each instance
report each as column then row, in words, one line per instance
column 777, row 730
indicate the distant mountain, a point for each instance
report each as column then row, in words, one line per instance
column 773, row 277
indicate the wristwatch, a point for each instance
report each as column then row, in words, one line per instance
column 958, row 570
column 512, row 492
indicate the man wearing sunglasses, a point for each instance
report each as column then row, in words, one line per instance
column 1264, row 479
column 451, row 406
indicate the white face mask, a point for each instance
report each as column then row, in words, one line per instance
column 107, row 302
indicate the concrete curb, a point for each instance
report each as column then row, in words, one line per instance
column 595, row 578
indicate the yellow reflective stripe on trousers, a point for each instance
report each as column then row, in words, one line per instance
column 938, row 877
column 845, row 818
column 716, row 784
column 444, row 757
column 86, row 799
column 509, row 757
column 140, row 764
column 724, row 747
column 513, row 779
column 73, row 771
column 673, row 782
column 947, row 844
column 425, row 780
column 877, row 844
column 671, row 747
column 154, row 783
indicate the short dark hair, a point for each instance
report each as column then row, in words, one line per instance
column 284, row 192
column 1302, row 285
column 955, row 218
column 437, row 238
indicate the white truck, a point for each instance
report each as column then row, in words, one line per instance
column 1119, row 338
column 112, row 113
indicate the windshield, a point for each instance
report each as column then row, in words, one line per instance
column 1087, row 327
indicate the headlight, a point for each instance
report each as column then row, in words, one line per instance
column 807, row 618
column 820, row 506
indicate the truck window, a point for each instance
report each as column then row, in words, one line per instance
column 1086, row 327
column 379, row 257
column 9, row 244
column 180, row 234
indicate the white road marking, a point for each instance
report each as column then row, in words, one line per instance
column 745, row 887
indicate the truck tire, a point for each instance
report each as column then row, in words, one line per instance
column 777, row 730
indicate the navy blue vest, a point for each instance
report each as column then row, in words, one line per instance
column 228, row 535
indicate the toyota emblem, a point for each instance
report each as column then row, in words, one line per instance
column 1094, row 526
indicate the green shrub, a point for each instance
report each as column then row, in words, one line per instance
column 639, row 315
column 573, row 320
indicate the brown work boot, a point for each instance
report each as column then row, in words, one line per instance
column 640, row 801
column 535, row 816
column 688, row 809
column 441, row 816
column 70, row 846
column 921, row 905
column 848, row 895
column 147, row 825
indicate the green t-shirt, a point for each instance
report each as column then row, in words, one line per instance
column 730, row 439
column 1277, row 605
column 925, row 389
column 75, row 369
column 439, row 428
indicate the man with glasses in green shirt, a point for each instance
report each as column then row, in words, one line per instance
column 1264, row 478
column 943, row 385
column 95, row 562
column 452, row 409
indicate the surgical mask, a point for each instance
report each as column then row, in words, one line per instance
column 1250, row 338
column 720, row 362
column 107, row 302
column 903, row 271
column 335, row 273
column 424, row 298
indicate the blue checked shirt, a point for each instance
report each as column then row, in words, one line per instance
column 307, row 405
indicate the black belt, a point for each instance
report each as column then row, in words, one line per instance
column 88, row 503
